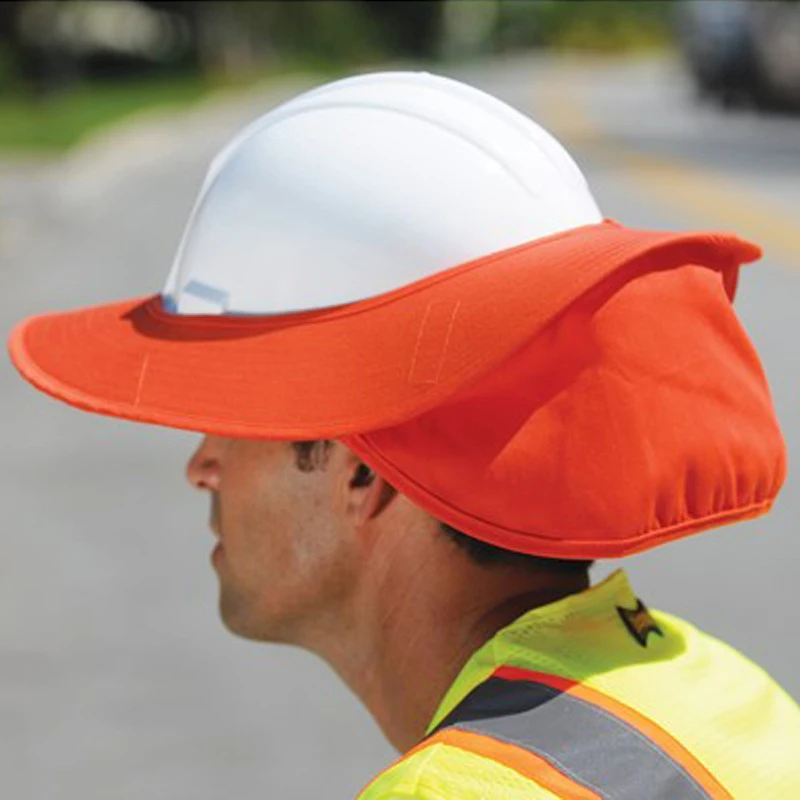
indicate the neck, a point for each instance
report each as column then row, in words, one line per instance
column 416, row 622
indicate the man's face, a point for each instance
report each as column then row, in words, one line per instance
column 285, row 557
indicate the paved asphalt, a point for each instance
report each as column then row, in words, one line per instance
column 116, row 679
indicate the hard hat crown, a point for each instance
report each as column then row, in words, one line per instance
column 365, row 185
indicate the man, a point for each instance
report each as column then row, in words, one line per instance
column 434, row 385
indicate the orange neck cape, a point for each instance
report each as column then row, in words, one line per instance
column 641, row 414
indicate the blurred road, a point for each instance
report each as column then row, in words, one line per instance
column 116, row 679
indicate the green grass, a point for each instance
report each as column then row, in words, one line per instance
column 51, row 125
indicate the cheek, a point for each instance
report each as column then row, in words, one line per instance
column 276, row 528
column 249, row 519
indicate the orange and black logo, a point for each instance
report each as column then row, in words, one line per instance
column 639, row 622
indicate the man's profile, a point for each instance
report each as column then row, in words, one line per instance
column 434, row 385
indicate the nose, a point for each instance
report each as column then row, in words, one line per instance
column 204, row 467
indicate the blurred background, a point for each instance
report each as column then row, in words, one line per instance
column 117, row 680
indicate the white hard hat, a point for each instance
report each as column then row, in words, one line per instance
column 365, row 185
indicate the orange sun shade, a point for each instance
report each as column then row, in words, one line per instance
column 583, row 395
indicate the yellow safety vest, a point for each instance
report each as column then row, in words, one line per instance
column 595, row 696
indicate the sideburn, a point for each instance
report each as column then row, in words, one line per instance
column 312, row 454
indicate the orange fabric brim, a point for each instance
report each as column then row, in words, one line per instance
column 346, row 370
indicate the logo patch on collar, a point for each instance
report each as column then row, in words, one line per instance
column 639, row 622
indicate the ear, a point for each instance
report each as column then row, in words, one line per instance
column 368, row 493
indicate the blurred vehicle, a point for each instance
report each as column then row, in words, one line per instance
column 743, row 51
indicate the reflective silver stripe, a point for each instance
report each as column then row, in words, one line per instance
column 210, row 294
column 586, row 743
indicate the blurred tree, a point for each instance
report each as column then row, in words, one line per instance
column 327, row 32
column 469, row 29
column 50, row 44
column 599, row 25
column 410, row 29
column 36, row 60
column 236, row 36
column 8, row 43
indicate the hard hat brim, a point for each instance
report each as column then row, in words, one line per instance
column 351, row 369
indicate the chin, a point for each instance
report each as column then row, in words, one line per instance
column 242, row 631
column 237, row 621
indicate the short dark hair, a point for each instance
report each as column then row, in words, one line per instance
column 312, row 454
column 490, row 555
